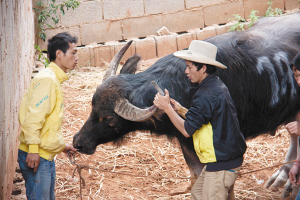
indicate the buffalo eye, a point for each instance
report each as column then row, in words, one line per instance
column 110, row 120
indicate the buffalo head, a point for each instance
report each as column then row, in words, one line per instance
column 112, row 114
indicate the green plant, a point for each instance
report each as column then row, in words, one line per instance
column 239, row 25
column 46, row 11
column 43, row 13
column 41, row 56
column 271, row 12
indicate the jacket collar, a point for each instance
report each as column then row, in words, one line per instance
column 206, row 79
column 60, row 74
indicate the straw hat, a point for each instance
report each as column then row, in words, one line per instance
column 201, row 52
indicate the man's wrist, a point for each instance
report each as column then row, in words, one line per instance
column 297, row 163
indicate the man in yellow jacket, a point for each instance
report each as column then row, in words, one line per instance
column 41, row 116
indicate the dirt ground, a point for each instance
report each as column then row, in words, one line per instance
column 145, row 166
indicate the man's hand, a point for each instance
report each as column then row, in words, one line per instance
column 293, row 173
column 162, row 102
column 292, row 128
column 70, row 148
column 178, row 108
column 33, row 160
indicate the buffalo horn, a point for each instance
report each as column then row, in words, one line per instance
column 132, row 113
column 113, row 66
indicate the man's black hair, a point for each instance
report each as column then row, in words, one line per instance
column 59, row 42
column 210, row 69
column 296, row 62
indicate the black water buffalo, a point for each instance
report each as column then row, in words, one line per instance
column 258, row 77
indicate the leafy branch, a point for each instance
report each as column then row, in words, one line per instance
column 46, row 11
column 43, row 13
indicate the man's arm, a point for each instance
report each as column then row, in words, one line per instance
column 32, row 119
column 293, row 127
column 163, row 102
column 294, row 172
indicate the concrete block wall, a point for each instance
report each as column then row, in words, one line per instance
column 16, row 63
column 98, row 22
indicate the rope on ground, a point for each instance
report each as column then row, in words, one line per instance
column 80, row 167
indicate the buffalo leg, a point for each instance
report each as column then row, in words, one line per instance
column 194, row 164
column 282, row 175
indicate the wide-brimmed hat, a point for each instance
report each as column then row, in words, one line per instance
column 201, row 52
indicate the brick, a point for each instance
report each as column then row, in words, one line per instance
column 86, row 57
column 116, row 9
column 103, row 54
column 206, row 33
column 86, row 12
column 165, row 45
column 146, row 48
column 163, row 6
column 141, row 26
column 184, row 40
column 291, row 4
column 130, row 51
column 101, row 32
column 198, row 3
column 221, row 14
column 261, row 6
column 184, row 20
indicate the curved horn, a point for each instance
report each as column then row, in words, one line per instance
column 112, row 68
column 132, row 113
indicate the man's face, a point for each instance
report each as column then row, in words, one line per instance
column 69, row 59
column 194, row 75
column 296, row 75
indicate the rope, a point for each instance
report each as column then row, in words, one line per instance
column 80, row 167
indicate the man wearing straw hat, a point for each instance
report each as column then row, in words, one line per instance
column 212, row 122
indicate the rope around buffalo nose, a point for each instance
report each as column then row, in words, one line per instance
column 80, row 167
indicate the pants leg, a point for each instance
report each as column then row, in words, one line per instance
column 298, row 196
column 40, row 184
column 196, row 192
column 214, row 185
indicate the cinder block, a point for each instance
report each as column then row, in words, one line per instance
column 223, row 28
column 198, row 3
column 184, row 20
column 103, row 54
column 141, row 26
column 206, row 33
column 116, row 9
column 184, row 40
column 75, row 31
column 261, row 6
column 101, row 32
column 222, row 13
column 194, row 33
column 86, row 57
column 146, row 48
column 291, row 4
column 165, row 45
column 163, row 6
column 130, row 51
column 49, row 34
column 86, row 12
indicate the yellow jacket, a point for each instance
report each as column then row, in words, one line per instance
column 41, row 114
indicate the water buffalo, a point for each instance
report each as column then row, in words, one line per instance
column 258, row 77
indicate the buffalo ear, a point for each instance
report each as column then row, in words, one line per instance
column 131, row 64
